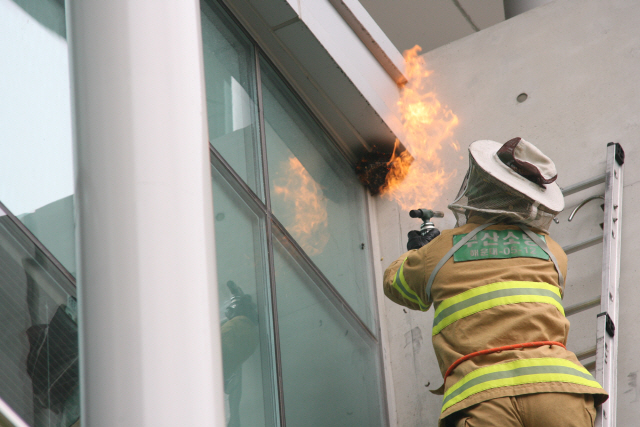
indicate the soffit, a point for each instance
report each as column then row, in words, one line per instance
column 333, row 71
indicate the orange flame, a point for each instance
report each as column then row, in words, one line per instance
column 310, row 207
column 418, row 179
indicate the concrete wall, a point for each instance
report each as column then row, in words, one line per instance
column 577, row 60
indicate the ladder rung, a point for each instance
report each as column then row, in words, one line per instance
column 583, row 185
column 569, row 249
column 586, row 354
column 577, row 308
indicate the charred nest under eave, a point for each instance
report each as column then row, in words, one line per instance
column 374, row 166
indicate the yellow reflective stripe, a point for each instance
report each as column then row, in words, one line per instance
column 581, row 377
column 515, row 299
column 525, row 379
column 494, row 294
column 494, row 287
column 520, row 363
column 400, row 284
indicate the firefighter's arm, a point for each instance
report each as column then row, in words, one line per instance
column 404, row 281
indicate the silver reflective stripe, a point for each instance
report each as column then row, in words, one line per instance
column 449, row 254
column 533, row 236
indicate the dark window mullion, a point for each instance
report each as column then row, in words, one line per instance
column 272, row 273
column 235, row 180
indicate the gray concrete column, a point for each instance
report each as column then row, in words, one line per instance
column 149, row 336
column 516, row 7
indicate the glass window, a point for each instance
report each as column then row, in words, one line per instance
column 247, row 345
column 39, row 335
column 302, row 234
column 36, row 161
column 316, row 195
column 330, row 371
column 229, row 63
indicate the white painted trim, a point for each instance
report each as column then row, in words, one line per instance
column 382, row 311
column 8, row 417
column 149, row 335
column 363, row 70
column 373, row 37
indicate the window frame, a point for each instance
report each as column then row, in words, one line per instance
column 274, row 226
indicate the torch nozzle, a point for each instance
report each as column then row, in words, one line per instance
column 425, row 214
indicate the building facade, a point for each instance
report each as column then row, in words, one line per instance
column 179, row 198
column 290, row 297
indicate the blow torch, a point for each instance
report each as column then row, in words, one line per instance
column 425, row 215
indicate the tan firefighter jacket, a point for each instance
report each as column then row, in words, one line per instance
column 498, row 289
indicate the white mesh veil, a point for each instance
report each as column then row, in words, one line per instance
column 484, row 196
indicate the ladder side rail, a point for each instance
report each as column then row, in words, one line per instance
column 607, row 320
column 576, row 247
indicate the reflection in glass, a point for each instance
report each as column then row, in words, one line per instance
column 330, row 371
column 316, row 195
column 247, row 347
column 230, row 78
column 53, row 224
column 36, row 165
column 39, row 335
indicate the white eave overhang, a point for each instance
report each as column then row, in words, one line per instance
column 338, row 60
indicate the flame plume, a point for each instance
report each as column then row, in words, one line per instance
column 309, row 207
column 418, row 179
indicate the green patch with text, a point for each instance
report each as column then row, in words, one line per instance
column 498, row 244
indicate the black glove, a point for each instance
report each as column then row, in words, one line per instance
column 417, row 240
column 241, row 304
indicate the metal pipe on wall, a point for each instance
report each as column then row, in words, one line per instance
column 149, row 337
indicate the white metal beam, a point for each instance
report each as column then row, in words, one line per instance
column 149, row 336
column 373, row 38
column 8, row 417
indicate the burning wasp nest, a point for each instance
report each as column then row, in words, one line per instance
column 377, row 168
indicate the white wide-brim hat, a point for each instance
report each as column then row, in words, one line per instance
column 523, row 167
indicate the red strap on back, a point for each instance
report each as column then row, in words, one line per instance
column 499, row 349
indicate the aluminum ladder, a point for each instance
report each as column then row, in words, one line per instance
column 606, row 349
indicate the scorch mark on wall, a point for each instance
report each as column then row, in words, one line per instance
column 632, row 382
column 413, row 336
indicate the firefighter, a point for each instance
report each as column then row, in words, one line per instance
column 496, row 282
column 239, row 338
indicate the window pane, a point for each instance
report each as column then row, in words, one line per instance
column 36, row 165
column 230, row 78
column 330, row 371
column 316, row 195
column 247, row 345
column 38, row 337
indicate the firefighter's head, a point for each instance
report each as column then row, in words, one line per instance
column 510, row 182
